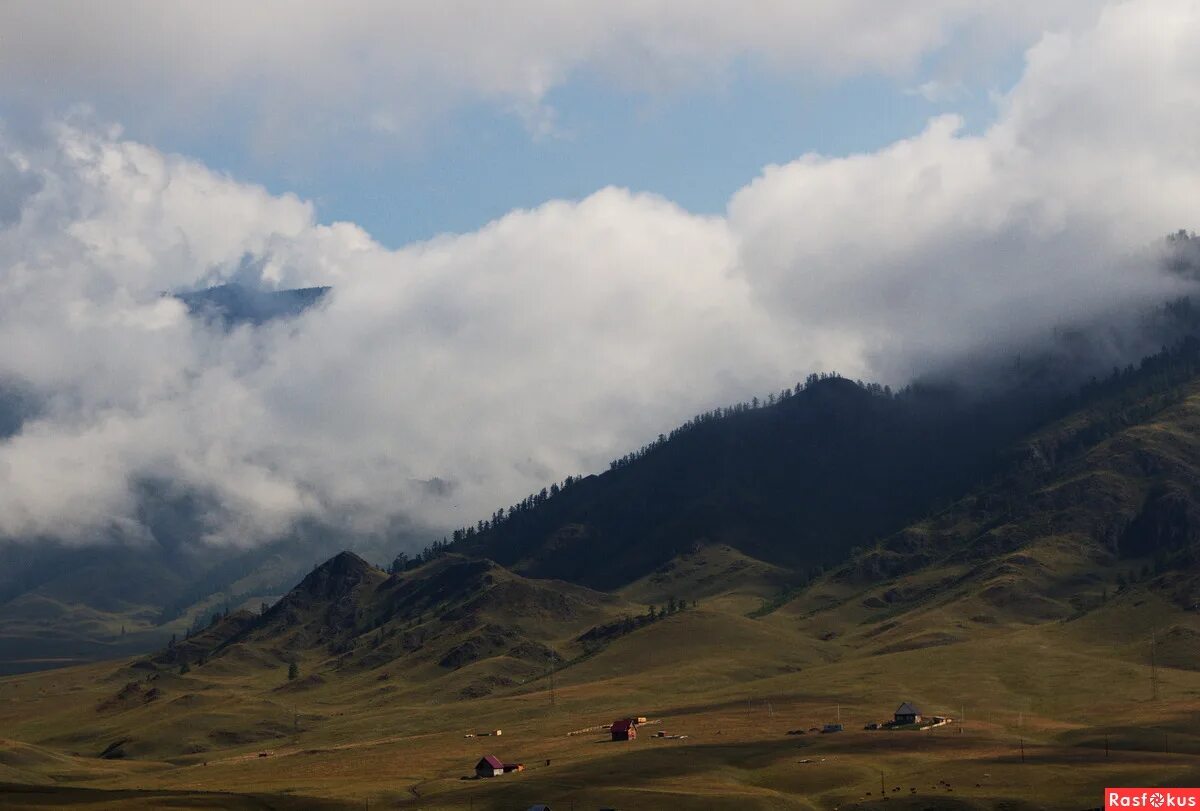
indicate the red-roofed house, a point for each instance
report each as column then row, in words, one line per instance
column 624, row 730
column 490, row 766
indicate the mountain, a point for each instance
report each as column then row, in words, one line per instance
column 61, row 604
column 435, row 620
column 1053, row 600
column 232, row 304
column 799, row 482
column 792, row 486
column 1081, row 509
column 1115, row 483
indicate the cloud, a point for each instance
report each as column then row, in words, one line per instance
column 443, row 379
column 944, row 241
column 298, row 68
column 939, row 91
column 495, row 360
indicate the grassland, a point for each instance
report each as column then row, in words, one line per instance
column 1041, row 701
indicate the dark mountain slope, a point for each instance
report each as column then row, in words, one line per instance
column 798, row 483
column 1095, row 514
column 1121, row 474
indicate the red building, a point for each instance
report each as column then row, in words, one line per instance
column 624, row 730
column 490, row 766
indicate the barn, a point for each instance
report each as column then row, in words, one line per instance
column 489, row 766
column 624, row 730
column 907, row 713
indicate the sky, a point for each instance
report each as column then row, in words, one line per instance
column 552, row 230
column 406, row 167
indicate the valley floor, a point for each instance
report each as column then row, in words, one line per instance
column 1054, row 713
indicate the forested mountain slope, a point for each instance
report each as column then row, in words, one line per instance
column 799, row 482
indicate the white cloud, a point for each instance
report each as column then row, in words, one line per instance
column 316, row 67
column 555, row 338
column 940, row 91
column 497, row 359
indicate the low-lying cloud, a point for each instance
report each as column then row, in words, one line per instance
column 443, row 379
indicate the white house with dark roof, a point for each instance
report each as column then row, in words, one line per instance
column 908, row 713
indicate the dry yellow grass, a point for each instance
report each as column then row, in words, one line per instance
column 733, row 685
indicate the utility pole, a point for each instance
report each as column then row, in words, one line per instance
column 1022, row 750
column 962, row 720
column 1154, row 664
column 882, row 788
column 1106, row 744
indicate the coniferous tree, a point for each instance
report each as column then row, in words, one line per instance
column 293, row 670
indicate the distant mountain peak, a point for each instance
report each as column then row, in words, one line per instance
column 233, row 304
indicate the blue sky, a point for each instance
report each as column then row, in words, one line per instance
column 694, row 146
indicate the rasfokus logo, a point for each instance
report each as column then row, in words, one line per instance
column 1151, row 798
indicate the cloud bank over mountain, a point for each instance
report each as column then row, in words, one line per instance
column 445, row 378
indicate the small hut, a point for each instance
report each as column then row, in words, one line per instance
column 624, row 730
column 907, row 714
column 489, row 766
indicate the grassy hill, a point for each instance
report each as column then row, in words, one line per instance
column 395, row 733
column 1044, row 597
column 60, row 605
